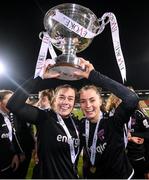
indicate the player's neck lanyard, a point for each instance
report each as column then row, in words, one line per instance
column 8, row 124
column 92, row 155
column 70, row 138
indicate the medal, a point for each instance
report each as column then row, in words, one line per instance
column 92, row 169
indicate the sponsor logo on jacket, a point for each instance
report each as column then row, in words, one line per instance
column 64, row 139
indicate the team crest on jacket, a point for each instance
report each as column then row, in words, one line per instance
column 100, row 135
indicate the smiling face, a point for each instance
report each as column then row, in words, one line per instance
column 4, row 101
column 45, row 98
column 64, row 101
column 90, row 102
column 44, row 102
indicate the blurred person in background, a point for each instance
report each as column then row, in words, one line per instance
column 9, row 157
column 21, row 139
column 138, row 138
column 44, row 102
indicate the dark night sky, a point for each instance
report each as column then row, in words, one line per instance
column 22, row 21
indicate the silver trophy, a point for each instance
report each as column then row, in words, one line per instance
column 71, row 28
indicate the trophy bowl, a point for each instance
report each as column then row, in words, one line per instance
column 63, row 24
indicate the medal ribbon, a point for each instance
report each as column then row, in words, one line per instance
column 70, row 139
column 93, row 147
column 8, row 124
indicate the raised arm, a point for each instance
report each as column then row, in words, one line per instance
column 17, row 105
column 128, row 97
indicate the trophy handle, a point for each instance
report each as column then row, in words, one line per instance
column 103, row 21
column 41, row 34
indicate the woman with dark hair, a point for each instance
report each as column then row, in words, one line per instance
column 102, row 135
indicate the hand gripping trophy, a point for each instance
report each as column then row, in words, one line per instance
column 71, row 28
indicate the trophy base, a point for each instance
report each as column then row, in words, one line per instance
column 66, row 71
